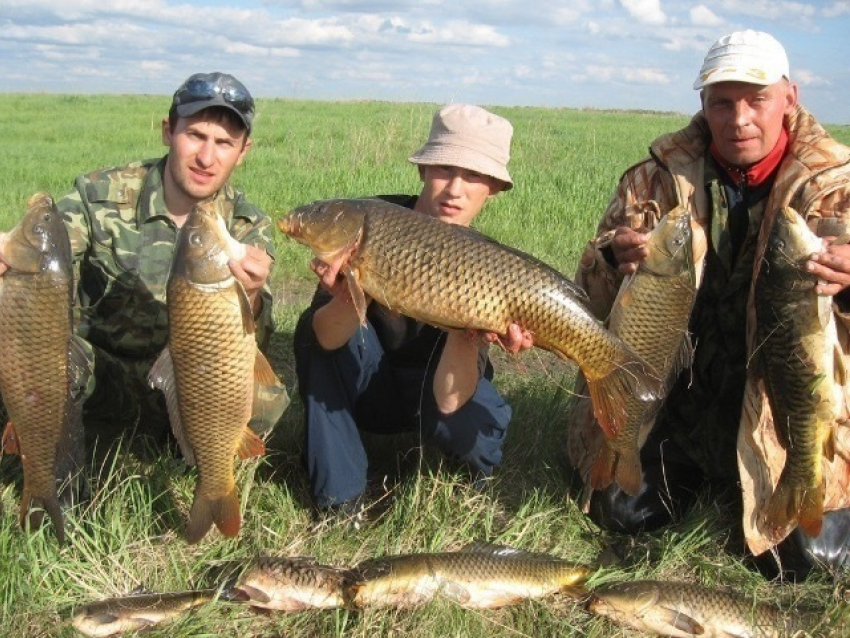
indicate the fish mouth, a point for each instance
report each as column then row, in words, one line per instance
column 247, row 593
column 289, row 225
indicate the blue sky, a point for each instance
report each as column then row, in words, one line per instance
column 624, row 54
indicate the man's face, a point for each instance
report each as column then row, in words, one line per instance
column 454, row 195
column 746, row 119
column 203, row 151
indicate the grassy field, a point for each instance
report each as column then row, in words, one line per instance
column 565, row 164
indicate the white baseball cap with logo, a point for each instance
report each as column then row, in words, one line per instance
column 747, row 56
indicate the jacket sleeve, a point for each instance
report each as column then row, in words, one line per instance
column 632, row 205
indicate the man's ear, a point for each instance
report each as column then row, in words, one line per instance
column 166, row 132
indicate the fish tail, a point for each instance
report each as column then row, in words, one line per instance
column 223, row 511
column 790, row 504
column 608, row 394
column 613, row 465
column 33, row 509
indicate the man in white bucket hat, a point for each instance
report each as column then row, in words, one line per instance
column 750, row 152
column 399, row 375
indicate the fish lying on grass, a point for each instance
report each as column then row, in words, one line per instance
column 795, row 337
column 207, row 370
column 651, row 314
column 454, row 277
column 137, row 612
column 39, row 355
column 684, row 610
column 480, row 576
column 293, row 584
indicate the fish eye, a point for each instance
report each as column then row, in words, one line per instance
column 195, row 239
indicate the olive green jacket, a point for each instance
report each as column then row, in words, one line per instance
column 123, row 240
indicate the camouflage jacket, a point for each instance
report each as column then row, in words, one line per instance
column 123, row 239
column 814, row 180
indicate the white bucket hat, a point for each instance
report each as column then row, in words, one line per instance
column 469, row 137
column 748, row 56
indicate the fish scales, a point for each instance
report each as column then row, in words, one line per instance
column 651, row 315
column 684, row 610
column 481, row 576
column 117, row 615
column 293, row 584
column 455, row 277
column 792, row 319
column 207, row 370
column 36, row 341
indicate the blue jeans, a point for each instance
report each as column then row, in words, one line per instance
column 355, row 388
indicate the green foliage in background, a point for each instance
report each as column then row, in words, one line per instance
column 565, row 165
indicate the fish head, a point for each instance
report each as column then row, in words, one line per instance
column 789, row 245
column 670, row 247
column 39, row 242
column 625, row 603
column 329, row 227
column 203, row 248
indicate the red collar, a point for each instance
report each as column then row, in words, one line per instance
column 758, row 173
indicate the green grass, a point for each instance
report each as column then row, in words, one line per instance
column 565, row 164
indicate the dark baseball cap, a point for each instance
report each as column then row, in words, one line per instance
column 204, row 90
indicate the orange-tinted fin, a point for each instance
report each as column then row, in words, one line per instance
column 224, row 512
column 608, row 394
column 611, row 466
column 9, row 443
column 250, row 445
column 791, row 504
column 263, row 373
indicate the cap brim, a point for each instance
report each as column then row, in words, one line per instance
column 193, row 108
column 736, row 74
column 449, row 155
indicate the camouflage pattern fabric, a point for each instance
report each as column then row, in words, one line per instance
column 123, row 240
column 814, row 179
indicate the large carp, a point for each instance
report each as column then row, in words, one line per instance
column 683, row 610
column 651, row 314
column 39, row 358
column 208, row 368
column 481, row 576
column 795, row 342
column 454, row 277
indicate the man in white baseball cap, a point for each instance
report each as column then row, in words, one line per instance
column 397, row 374
column 751, row 151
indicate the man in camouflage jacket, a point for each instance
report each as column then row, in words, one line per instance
column 750, row 152
column 123, row 224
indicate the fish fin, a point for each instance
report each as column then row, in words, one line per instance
column 685, row 356
column 223, row 511
column 675, row 618
column 263, row 372
column 34, row 518
column 9, row 443
column 247, row 311
column 455, row 592
column 602, row 471
column 624, row 468
column 161, row 376
column 790, row 504
column 358, row 297
column 250, row 445
column 631, row 377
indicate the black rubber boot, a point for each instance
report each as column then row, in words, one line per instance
column 668, row 489
column 799, row 554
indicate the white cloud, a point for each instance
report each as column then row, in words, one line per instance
column 807, row 78
column 702, row 16
column 835, row 9
column 458, row 33
column 645, row 11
